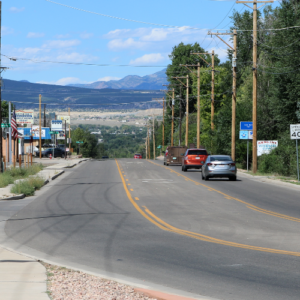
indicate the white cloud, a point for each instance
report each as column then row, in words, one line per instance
column 148, row 59
column 65, row 81
column 16, row 10
column 61, row 44
column 62, row 36
column 108, row 78
column 119, row 44
column 6, row 30
column 86, row 35
column 76, row 57
column 33, row 35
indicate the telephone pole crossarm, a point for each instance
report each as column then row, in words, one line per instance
column 177, row 78
column 199, row 54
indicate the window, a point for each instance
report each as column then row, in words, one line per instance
column 221, row 158
column 197, row 152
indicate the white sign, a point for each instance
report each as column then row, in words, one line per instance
column 64, row 118
column 35, row 132
column 61, row 135
column 250, row 136
column 56, row 125
column 295, row 131
column 25, row 116
column 265, row 147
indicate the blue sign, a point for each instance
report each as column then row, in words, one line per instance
column 246, row 125
column 250, row 135
column 244, row 135
column 27, row 133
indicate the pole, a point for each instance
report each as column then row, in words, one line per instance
column 153, row 138
column 10, row 148
column 70, row 131
column 254, row 117
column 247, row 155
column 198, row 106
column 180, row 117
column 212, row 89
column 1, row 170
column 163, row 124
column 147, row 142
column 297, row 159
column 187, row 112
column 233, row 111
column 40, row 129
column 172, row 129
column 65, row 138
column 45, row 115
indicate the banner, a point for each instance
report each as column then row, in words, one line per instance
column 61, row 135
column 35, row 132
column 25, row 116
column 265, row 147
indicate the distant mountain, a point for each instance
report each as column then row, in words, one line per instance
column 24, row 94
column 148, row 82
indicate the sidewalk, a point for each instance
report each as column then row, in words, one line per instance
column 21, row 278
column 48, row 173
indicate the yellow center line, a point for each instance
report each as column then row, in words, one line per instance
column 167, row 227
column 251, row 206
column 136, row 198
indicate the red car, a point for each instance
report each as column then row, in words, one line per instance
column 138, row 156
column 194, row 159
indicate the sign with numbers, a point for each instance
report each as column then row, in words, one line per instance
column 295, row 131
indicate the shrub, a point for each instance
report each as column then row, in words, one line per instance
column 28, row 186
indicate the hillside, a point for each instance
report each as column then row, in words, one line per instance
column 65, row 96
column 148, row 82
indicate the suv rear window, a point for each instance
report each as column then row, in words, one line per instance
column 221, row 158
column 197, row 152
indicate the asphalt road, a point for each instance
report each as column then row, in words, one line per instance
column 221, row 239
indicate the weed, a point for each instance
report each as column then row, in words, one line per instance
column 28, row 186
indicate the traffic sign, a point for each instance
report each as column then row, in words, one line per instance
column 250, row 136
column 244, row 135
column 295, row 131
column 54, row 132
column 79, row 142
column 246, row 125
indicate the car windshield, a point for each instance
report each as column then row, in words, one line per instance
column 197, row 152
column 220, row 158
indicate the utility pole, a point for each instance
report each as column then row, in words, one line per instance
column 147, row 142
column 172, row 127
column 153, row 137
column 187, row 112
column 254, row 68
column 45, row 115
column 163, row 124
column 233, row 112
column 180, row 119
column 212, row 90
column 198, row 106
column 9, row 121
column 40, row 123
column 69, row 131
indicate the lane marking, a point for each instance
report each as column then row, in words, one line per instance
column 167, row 227
column 251, row 206
column 131, row 190
column 129, row 184
column 136, row 198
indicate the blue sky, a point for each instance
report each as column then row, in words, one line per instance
column 40, row 30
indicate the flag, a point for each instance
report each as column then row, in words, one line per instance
column 14, row 129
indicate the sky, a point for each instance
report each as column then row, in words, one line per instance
column 39, row 30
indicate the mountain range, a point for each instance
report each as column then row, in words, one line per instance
column 148, row 82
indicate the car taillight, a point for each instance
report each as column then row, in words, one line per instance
column 209, row 164
column 232, row 164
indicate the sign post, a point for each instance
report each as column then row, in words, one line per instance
column 246, row 133
column 295, row 135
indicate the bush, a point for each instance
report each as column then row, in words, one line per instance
column 5, row 179
column 282, row 160
column 28, row 186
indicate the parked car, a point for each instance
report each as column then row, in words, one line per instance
column 46, row 153
column 219, row 166
column 174, row 155
column 138, row 156
column 194, row 159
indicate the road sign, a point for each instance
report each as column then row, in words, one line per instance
column 246, row 125
column 54, row 132
column 56, row 125
column 295, row 131
column 244, row 135
column 265, row 147
column 159, row 147
column 250, row 136
column 79, row 142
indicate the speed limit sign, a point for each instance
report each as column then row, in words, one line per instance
column 295, row 131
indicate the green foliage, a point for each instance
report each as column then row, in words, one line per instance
column 10, row 175
column 28, row 186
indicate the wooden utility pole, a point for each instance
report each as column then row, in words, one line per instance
column 254, row 68
column 163, row 124
column 45, row 125
column 70, row 131
column 40, row 123
column 187, row 112
column 212, row 89
column 233, row 112
column 198, row 106
column 172, row 126
column 147, row 142
column 153, row 137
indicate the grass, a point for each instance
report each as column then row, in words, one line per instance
column 28, row 186
column 10, row 175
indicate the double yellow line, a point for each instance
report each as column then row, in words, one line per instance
column 251, row 206
column 146, row 213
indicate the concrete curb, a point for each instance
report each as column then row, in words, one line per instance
column 58, row 174
column 17, row 197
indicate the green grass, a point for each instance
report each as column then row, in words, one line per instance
column 28, row 186
column 10, row 175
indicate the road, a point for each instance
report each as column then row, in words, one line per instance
column 140, row 219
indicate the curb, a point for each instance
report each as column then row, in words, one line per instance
column 55, row 176
column 17, row 197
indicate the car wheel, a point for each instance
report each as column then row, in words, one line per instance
column 167, row 164
column 184, row 169
column 164, row 163
column 232, row 178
